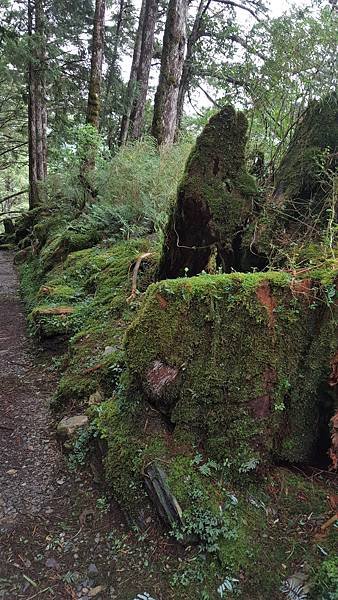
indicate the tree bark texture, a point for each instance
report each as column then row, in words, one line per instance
column 109, row 96
column 187, row 67
column 133, row 76
column 214, row 202
column 37, row 111
column 93, row 110
column 166, row 98
column 143, row 71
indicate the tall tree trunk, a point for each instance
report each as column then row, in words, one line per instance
column 187, row 67
column 166, row 98
column 109, row 101
column 37, row 111
column 133, row 76
column 40, row 81
column 93, row 110
column 143, row 71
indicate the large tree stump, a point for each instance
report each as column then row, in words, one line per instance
column 214, row 201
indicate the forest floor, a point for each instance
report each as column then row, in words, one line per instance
column 59, row 537
column 62, row 538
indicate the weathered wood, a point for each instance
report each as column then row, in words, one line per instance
column 156, row 483
column 214, row 201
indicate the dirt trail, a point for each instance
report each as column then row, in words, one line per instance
column 60, row 538
column 28, row 455
column 44, row 552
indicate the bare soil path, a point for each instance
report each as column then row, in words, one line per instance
column 44, row 550
column 28, row 454
column 49, row 549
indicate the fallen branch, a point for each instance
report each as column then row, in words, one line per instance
column 328, row 523
column 10, row 212
column 92, row 369
column 13, row 196
column 135, row 273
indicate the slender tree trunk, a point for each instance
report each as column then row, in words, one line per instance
column 143, row 71
column 40, row 81
column 188, row 66
column 133, row 76
column 93, row 110
column 31, row 120
column 166, row 98
column 37, row 111
column 109, row 101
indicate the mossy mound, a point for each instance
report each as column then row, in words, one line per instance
column 85, row 298
column 235, row 362
column 214, row 200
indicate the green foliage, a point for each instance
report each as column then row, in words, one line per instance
column 80, row 447
column 137, row 187
column 135, row 190
column 326, row 582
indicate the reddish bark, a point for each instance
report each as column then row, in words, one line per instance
column 159, row 376
column 265, row 297
column 261, row 406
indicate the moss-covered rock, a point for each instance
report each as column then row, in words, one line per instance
column 214, row 200
column 236, row 362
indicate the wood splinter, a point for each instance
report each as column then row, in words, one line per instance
column 328, row 523
column 135, row 273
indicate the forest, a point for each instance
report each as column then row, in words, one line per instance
column 168, row 300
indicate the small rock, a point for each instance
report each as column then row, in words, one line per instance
column 67, row 427
column 11, row 472
column 85, row 590
column 96, row 398
column 51, row 563
column 92, row 570
column 95, row 591
column 109, row 350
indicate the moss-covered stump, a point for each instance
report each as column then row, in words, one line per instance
column 238, row 363
column 214, row 200
column 303, row 207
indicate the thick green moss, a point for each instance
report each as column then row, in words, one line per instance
column 235, row 362
column 214, row 200
column 94, row 284
column 64, row 242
